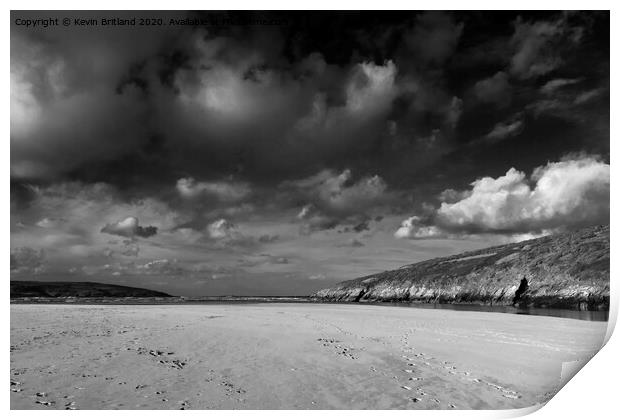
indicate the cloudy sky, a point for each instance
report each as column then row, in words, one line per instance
column 273, row 153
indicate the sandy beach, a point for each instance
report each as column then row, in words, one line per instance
column 288, row 356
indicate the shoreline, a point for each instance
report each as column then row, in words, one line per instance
column 588, row 315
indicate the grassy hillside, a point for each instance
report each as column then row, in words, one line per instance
column 21, row 289
column 569, row 270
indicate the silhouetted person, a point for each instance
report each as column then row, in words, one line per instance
column 522, row 288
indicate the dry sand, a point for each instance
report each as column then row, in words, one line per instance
column 287, row 356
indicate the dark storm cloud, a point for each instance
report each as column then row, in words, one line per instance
column 434, row 37
column 495, row 89
column 334, row 117
column 66, row 109
column 538, row 45
column 331, row 199
column 219, row 101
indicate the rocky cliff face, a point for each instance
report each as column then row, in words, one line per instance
column 569, row 270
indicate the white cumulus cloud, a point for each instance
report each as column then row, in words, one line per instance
column 568, row 194
column 413, row 227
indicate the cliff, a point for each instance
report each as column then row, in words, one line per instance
column 22, row 289
column 569, row 270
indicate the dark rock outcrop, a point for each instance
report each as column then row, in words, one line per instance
column 569, row 270
column 40, row 289
column 520, row 291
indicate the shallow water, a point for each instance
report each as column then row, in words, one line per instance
column 559, row 313
column 602, row 316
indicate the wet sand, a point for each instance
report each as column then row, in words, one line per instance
column 288, row 356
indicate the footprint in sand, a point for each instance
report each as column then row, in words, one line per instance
column 492, row 385
column 507, row 393
column 231, row 389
